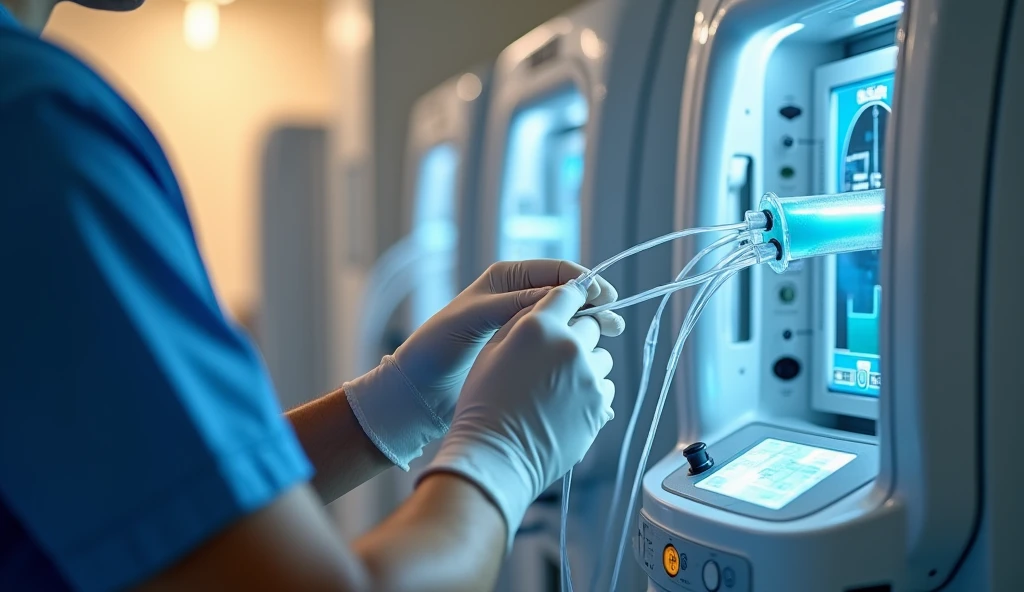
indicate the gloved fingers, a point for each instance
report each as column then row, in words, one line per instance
column 587, row 333
column 503, row 331
column 612, row 325
column 603, row 293
column 600, row 362
column 561, row 303
column 608, row 394
column 510, row 276
column 496, row 310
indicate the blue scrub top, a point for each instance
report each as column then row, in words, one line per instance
column 135, row 420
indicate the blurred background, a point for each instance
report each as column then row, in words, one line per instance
column 215, row 79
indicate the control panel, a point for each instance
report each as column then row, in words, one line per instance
column 675, row 563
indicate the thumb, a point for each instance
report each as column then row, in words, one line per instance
column 498, row 309
column 563, row 302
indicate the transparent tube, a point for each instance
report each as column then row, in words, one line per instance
column 563, row 537
column 740, row 259
column 608, row 546
column 747, row 225
column 759, row 253
column 816, row 225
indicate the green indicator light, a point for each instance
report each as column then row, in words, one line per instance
column 787, row 294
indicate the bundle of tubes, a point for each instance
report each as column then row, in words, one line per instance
column 781, row 230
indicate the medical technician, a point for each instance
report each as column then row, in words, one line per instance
column 140, row 443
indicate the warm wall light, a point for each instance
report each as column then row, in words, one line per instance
column 350, row 29
column 202, row 24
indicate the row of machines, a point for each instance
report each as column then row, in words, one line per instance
column 626, row 119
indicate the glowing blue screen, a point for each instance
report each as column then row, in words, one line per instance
column 435, row 220
column 860, row 114
column 775, row 472
column 539, row 212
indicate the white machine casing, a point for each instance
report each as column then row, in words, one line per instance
column 945, row 448
column 627, row 58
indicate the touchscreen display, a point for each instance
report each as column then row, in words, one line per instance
column 860, row 115
column 775, row 472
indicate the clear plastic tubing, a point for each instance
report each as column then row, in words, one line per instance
column 815, row 225
column 739, row 259
column 746, row 225
column 702, row 278
column 563, row 535
column 650, row 345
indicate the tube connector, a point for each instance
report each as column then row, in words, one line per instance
column 757, row 220
column 769, row 252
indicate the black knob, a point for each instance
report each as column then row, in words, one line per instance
column 786, row 368
column 790, row 112
column 697, row 455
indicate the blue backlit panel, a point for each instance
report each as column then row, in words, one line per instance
column 860, row 115
column 775, row 472
column 539, row 211
column 435, row 223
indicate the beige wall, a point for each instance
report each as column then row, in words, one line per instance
column 213, row 109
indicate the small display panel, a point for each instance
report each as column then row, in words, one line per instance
column 435, row 221
column 775, row 472
column 539, row 212
column 860, row 116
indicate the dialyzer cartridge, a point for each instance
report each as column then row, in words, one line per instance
column 815, row 225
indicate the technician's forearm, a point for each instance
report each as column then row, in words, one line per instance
column 447, row 536
column 337, row 446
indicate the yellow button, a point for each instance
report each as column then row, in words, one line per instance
column 670, row 559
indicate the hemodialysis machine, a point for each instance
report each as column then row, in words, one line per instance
column 850, row 422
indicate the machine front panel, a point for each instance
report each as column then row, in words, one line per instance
column 676, row 563
column 777, row 474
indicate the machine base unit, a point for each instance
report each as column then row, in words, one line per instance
column 674, row 563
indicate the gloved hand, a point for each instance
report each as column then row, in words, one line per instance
column 408, row 400
column 532, row 405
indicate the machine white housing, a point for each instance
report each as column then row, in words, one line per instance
column 935, row 508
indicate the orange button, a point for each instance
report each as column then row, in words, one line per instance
column 670, row 559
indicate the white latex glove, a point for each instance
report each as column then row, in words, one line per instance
column 532, row 405
column 408, row 400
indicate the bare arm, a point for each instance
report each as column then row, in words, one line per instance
column 343, row 456
column 447, row 536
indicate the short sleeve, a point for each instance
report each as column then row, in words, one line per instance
column 135, row 420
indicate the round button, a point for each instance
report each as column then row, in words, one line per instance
column 711, row 576
column 728, row 577
column 787, row 293
column 670, row 559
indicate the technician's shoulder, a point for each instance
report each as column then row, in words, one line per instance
column 36, row 74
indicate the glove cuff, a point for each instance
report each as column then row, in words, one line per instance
column 503, row 476
column 392, row 413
